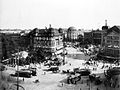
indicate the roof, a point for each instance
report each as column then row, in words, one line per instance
column 114, row 28
column 48, row 32
column 72, row 29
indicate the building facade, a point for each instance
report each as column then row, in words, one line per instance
column 87, row 37
column 48, row 43
column 111, row 43
column 93, row 37
column 96, row 37
column 71, row 34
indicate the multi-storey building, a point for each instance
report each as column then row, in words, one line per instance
column 48, row 42
column 88, row 37
column 96, row 37
column 111, row 43
column 93, row 37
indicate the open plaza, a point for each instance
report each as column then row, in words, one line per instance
column 47, row 80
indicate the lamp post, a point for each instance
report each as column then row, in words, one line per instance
column 18, row 57
column 18, row 70
column 63, row 49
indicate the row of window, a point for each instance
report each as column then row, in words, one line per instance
column 42, row 38
column 113, row 42
column 45, row 43
column 114, row 53
column 48, row 43
column 46, row 38
column 113, row 37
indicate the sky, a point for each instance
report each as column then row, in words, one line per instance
column 85, row 14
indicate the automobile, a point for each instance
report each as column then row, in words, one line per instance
column 32, row 71
column 75, row 69
column 83, row 72
column 23, row 73
column 46, row 64
column 113, row 71
column 54, row 69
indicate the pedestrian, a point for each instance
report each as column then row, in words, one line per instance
column 97, row 89
column 44, row 73
column 87, row 83
column 23, row 78
column 80, row 89
column 118, row 86
column 62, row 84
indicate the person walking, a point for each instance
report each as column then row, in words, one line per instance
column 97, row 88
column 23, row 79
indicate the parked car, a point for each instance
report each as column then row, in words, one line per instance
column 23, row 73
column 32, row 71
column 54, row 69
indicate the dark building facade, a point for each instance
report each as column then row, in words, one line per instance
column 87, row 37
column 96, row 37
column 93, row 37
column 12, row 43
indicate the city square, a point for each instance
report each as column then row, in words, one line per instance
column 59, row 45
column 58, row 81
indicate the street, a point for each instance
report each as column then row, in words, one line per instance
column 47, row 80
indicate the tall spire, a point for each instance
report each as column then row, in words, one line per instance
column 105, row 27
column 105, row 22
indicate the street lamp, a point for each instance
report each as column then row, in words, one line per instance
column 18, row 71
column 18, row 57
column 63, row 49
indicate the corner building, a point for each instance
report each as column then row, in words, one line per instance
column 111, row 43
column 48, row 43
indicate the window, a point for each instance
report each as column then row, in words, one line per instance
column 57, row 41
column 52, row 43
column 116, row 43
column 116, row 37
column 109, row 41
column 109, row 37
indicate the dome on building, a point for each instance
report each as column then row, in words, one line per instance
column 72, row 29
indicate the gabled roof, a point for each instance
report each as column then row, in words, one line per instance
column 114, row 28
